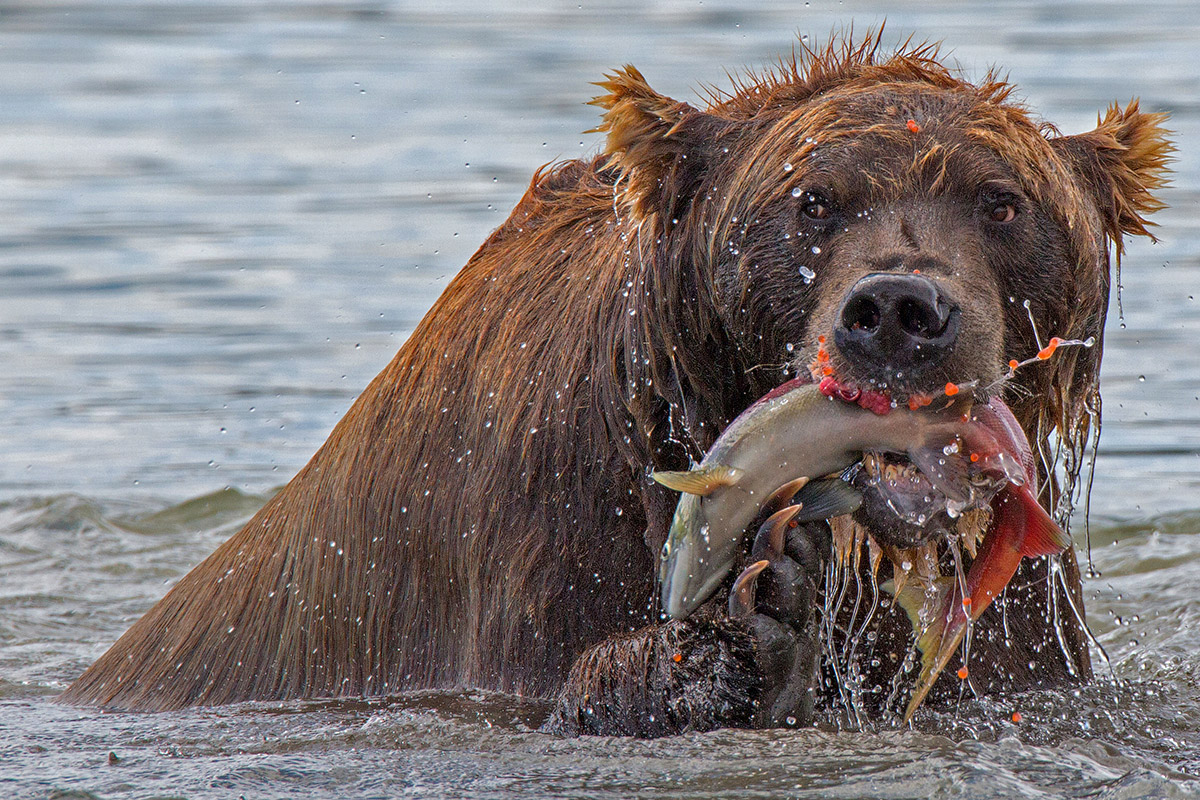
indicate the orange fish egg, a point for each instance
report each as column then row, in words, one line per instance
column 1049, row 349
column 677, row 657
column 1016, row 717
column 1013, row 364
column 951, row 389
column 913, row 126
column 962, row 673
column 974, row 457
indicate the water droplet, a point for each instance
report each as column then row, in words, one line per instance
column 807, row 274
column 797, row 192
column 816, row 251
column 787, row 166
column 1141, row 378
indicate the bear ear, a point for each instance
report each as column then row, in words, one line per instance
column 657, row 145
column 1124, row 162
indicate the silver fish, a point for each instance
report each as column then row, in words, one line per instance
column 792, row 435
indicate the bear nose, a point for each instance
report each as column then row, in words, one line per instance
column 896, row 322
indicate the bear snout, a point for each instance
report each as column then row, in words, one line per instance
column 892, row 323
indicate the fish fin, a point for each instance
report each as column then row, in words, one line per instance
column 701, row 480
column 930, row 640
column 939, row 638
column 915, row 598
column 826, row 498
column 900, row 573
column 949, row 473
column 1043, row 536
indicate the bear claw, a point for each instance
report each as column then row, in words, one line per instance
column 741, row 597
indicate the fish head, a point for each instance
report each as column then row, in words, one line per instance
column 692, row 563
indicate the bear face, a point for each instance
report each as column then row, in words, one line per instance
column 889, row 225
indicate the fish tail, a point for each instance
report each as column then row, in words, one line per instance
column 1043, row 536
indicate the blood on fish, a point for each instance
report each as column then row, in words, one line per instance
column 848, row 394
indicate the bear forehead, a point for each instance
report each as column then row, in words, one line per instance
column 886, row 112
column 913, row 117
column 887, row 138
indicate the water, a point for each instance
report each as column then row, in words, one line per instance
column 220, row 221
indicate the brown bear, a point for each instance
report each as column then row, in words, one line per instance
column 484, row 515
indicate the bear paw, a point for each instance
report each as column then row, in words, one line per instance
column 776, row 597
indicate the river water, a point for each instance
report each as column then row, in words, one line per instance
column 219, row 220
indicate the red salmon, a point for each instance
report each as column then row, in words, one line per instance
column 1020, row 528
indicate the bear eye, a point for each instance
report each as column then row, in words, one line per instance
column 1000, row 206
column 1003, row 212
column 815, row 207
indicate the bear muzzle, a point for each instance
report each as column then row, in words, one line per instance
column 896, row 325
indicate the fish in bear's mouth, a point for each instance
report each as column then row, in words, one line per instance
column 967, row 461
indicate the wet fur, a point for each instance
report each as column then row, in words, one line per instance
column 482, row 516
